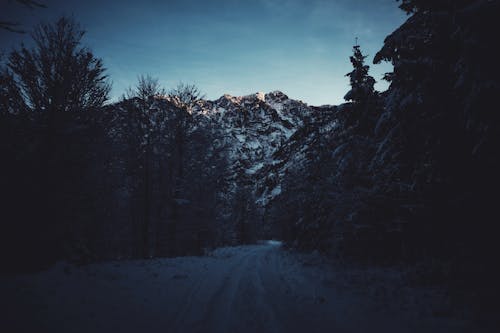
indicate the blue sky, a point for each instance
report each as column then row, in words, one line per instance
column 300, row 47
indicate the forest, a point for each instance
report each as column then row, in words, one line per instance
column 408, row 176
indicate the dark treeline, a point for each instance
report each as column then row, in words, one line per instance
column 83, row 180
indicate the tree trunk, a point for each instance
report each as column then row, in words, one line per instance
column 147, row 203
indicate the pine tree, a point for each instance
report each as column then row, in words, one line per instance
column 362, row 84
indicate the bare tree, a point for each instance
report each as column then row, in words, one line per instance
column 147, row 87
column 187, row 94
column 58, row 74
column 145, row 123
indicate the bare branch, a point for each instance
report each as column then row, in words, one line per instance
column 31, row 4
column 11, row 26
column 147, row 87
column 187, row 94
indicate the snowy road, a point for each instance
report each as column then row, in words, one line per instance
column 258, row 288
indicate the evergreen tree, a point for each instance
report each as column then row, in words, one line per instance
column 362, row 84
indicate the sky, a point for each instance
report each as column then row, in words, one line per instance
column 239, row 47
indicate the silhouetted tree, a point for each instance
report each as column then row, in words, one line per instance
column 146, row 123
column 146, row 88
column 362, row 84
column 187, row 94
column 58, row 74
column 43, row 91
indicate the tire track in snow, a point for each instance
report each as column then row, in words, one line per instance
column 208, row 299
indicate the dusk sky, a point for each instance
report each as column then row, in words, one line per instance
column 300, row 47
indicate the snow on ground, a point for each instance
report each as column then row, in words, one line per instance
column 257, row 288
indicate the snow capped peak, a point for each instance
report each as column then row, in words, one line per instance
column 276, row 96
column 249, row 131
column 261, row 96
column 252, row 128
column 229, row 97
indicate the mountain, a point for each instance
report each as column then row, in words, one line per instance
column 253, row 129
column 187, row 178
column 220, row 164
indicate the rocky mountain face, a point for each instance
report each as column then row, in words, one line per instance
column 225, row 161
column 252, row 129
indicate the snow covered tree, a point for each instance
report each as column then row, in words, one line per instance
column 362, row 84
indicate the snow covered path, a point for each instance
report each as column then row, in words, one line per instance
column 257, row 288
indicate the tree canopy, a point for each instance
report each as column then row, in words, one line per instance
column 58, row 73
column 362, row 84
